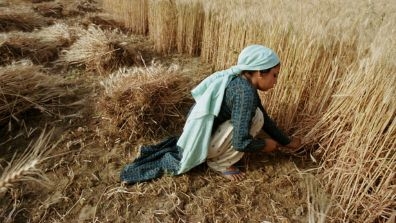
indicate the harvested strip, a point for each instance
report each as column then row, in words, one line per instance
column 101, row 51
column 24, row 87
column 49, row 9
column 40, row 47
column 146, row 102
column 23, row 19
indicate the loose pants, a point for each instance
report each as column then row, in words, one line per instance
column 221, row 153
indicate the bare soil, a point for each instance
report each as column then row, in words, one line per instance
column 84, row 168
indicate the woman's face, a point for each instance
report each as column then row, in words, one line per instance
column 266, row 81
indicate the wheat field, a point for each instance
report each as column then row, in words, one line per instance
column 336, row 89
column 85, row 83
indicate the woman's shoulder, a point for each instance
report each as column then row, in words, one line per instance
column 240, row 87
column 239, row 83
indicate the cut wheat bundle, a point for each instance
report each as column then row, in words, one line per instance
column 104, row 21
column 39, row 1
column 25, row 47
column 41, row 46
column 79, row 8
column 101, row 50
column 53, row 9
column 25, row 168
column 24, row 87
column 57, row 32
column 146, row 102
column 21, row 18
column 87, row 5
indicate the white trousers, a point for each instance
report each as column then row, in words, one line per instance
column 221, row 153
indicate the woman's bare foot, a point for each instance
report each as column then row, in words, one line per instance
column 234, row 174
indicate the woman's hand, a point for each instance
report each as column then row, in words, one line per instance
column 270, row 145
column 294, row 144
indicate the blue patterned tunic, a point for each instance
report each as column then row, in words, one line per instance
column 239, row 105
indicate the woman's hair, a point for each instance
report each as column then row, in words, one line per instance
column 261, row 71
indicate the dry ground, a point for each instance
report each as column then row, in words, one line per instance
column 85, row 165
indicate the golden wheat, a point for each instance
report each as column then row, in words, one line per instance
column 146, row 102
column 133, row 13
column 26, row 167
column 100, row 51
column 336, row 89
column 24, row 86
column 163, row 25
column 21, row 18
column 190, row 17
column 41, row 46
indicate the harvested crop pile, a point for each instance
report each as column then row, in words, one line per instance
column 27, row 47
column 24, row 87
column 40, row 47
column 87, row 5
column 80, row 7
column 49, row 9
column 105, row 22
column 101, row 50
column 23, row 19
column 39, row 1
column 146, row 102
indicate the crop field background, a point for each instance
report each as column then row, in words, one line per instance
column 84, row 83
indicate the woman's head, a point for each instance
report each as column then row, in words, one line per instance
column 257, row 57
column 263, row 80
column 260, row 65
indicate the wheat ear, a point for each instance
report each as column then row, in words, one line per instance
column 25, row 168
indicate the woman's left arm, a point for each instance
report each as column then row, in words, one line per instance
column 273, row 130
column 277, row 134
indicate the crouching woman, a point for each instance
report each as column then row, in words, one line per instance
column 222, row 125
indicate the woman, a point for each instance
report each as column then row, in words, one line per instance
column 222, row 124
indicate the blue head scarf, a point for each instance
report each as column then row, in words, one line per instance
column 257, row 57
column 210, row 91
column 208, row 96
